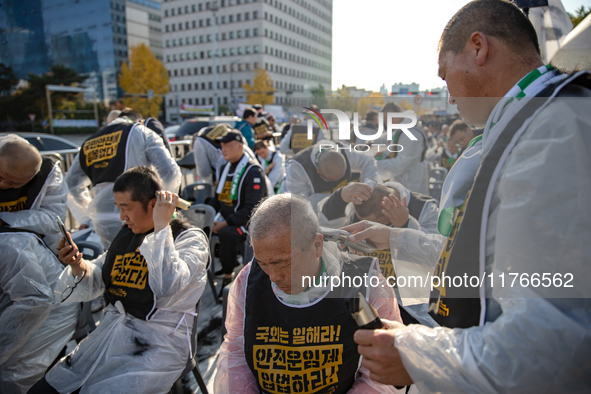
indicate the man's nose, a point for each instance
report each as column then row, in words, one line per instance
column 275, row 275
column 452, row 100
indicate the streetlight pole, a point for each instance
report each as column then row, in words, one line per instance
column 232, row 85
column 214, row 8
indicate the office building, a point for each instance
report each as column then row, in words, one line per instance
column 92, row 37
column 219, row 44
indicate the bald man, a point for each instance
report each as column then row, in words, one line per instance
column 32, row 189
column 315, row 173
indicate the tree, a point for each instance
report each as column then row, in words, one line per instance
column 319, row 95
column 261, row 91
column 7, row 78
column 580, row 14
column 366, row 103
column 145, row 73
column 32, row 99
column 341, row 99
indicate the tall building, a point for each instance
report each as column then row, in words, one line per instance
column 211, row 44
column 90, row 36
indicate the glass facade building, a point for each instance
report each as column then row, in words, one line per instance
column 89, row 36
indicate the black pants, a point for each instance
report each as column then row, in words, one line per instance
column 230, row 238
column 42, row 387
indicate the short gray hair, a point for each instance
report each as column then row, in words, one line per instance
column 285, row 211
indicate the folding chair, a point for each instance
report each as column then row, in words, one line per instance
column 202, row 216
column 197, row 192
column 192, row 363
column 188, row 161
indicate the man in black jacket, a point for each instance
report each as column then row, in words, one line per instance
column 241, row 185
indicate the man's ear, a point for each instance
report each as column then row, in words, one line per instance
column 318, row 245
column 152, row 203
column 479, row 47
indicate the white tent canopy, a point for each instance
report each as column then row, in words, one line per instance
column 575, row 52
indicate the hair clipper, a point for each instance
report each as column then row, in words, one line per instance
column 365, row 315
column 342, row 237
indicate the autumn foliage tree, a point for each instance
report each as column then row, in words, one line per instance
column 144, row 73
column 261, row 91
column 375, row 100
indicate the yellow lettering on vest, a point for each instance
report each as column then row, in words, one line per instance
column 441, row 266
column 213, row 134
column 224, row 196
column 14, row 206
column 297, row 369
column 301, row 141
column 130, row 270
column 385, row 259
column 101, row 148
column 443, row 310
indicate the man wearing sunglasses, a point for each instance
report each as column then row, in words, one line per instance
column 152, row 277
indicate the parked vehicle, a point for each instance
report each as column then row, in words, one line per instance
column 193, row 125
column 45, row 142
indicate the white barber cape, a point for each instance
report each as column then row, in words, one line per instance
column 34, row 327
column 130, row 355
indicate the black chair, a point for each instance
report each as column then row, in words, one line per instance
column 90, row 250
column 197, row 192
column 192, row 363
column 188, row 161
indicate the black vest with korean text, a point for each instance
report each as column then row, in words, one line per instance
column 462, row 306
column 307, row 349
column 14, row 200
column 299, row 138
column 319, row 184
column 125, row 272
column 209, row 135
column 103, row 156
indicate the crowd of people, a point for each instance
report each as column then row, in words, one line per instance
column 515, row 201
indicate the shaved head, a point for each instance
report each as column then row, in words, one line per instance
column 332, row 165
column 21, row 157
column 495, row 18
column 19, row 161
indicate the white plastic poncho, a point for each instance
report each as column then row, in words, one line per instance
column 129, row 355
column 233, row 374
column 206, row 156
column 285, row 145
column 33, row 327
column 297, row 180
column 407, row 167
column 50, row 203
column 277, row 173
column 144, row 148
column 539, row 222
